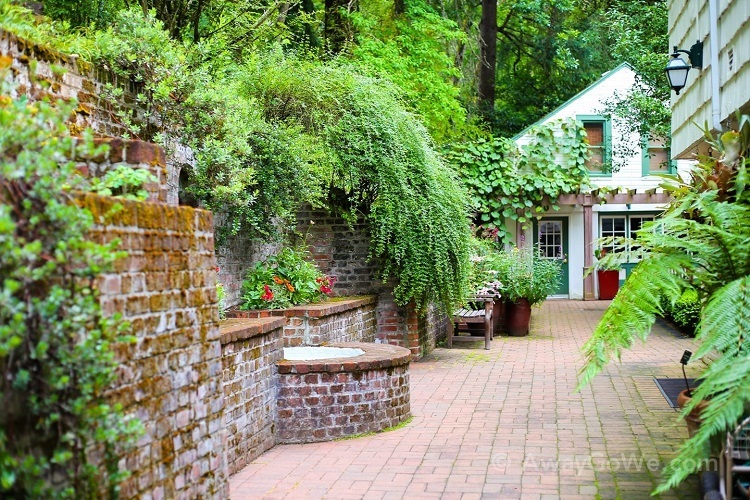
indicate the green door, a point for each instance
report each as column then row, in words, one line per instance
column 551, row 234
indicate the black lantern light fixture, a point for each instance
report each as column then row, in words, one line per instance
column 677, row 69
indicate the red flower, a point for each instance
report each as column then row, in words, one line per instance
column 268, row 294
column 326, row 284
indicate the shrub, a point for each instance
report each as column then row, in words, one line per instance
column 525, row 274
column 56, row 347
column 285, row 280
column 686, row 311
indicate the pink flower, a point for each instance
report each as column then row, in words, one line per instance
column 268, row 294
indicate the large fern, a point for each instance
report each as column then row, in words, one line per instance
column 702, row 240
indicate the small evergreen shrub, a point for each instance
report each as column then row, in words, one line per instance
column 686, row 311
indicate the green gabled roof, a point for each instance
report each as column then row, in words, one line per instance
column 603, row 78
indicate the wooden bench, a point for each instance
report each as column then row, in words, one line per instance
column 472, row 316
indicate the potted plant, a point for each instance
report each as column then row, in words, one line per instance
column 607, row 275
column 484, row 281
column 527, row 279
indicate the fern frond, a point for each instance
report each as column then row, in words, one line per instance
column 633, row 311
column 726, row 321
column 725, row 384
column 731, row 378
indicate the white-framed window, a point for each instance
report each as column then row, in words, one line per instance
column 623, row 226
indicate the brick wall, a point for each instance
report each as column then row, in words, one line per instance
column 234, row 257
column 321, row 400
column 250, row 350
column 171, row 378
column 134, row 154
column 337, row 320
column 40, row 72
column 342, row 251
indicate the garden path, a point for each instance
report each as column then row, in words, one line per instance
column 504, row 423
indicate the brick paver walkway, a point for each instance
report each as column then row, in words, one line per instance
column 504, row 423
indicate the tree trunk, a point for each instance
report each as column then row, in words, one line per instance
column 338, row 29
column 487, row 57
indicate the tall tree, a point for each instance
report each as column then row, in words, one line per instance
column 338, row 28
column 487, row 58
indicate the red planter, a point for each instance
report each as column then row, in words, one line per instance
column 609, row 283
column 518, row 317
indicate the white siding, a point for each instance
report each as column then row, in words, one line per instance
column 591, row 102
column 688, row 22
column 630, row 175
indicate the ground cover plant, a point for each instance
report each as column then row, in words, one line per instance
column 701, row 242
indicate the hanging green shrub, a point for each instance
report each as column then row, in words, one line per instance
column 382, row 161
column 56, row 352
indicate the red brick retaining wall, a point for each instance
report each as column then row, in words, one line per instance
column 321, row 400
column 337, row 320
column 171, row 377
column 250, row 350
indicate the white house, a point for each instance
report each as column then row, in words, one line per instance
column 570, row 233
column 721, row 85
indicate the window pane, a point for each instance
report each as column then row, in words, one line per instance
column 613, row 226
column 594, row 133
column 658, row 155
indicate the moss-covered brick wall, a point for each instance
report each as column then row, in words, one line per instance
column 171, row 378
column 39, row 72
column 250, row 350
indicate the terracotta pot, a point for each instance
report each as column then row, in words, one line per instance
column 498, row 315
column 693, row 419
column 609, row 283
column 518, row 317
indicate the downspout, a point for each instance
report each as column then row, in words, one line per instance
column 713, row 20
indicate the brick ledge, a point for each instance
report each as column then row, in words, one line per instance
column 376, row 356
column 235, row 329
column 317, row 310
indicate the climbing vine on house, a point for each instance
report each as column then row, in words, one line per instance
column 505, row 181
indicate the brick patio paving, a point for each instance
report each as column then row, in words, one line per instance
column 504, row 423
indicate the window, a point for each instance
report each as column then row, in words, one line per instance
column 550, row 239
column 599, row 136
column 621, row 226
column 613, row 227
column 656, row 157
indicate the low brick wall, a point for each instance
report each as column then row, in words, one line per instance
column 321, row 400
column 338, row 320
column 250, row 349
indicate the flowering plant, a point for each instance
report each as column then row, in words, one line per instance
column 285, row 280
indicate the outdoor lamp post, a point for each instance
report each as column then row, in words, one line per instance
column 677, row 69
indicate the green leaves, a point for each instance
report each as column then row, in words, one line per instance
column 505, row 181
column 700, row 244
